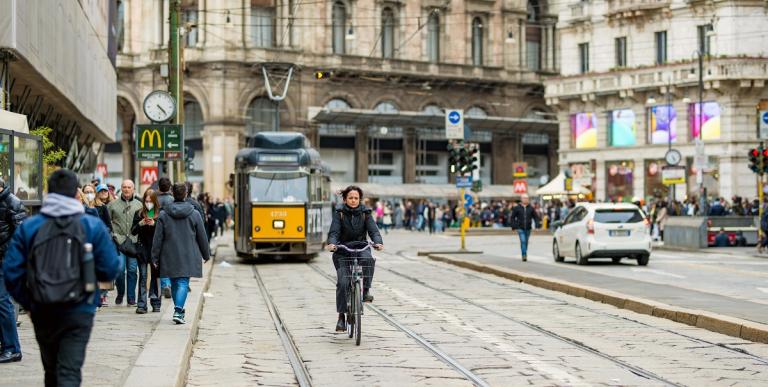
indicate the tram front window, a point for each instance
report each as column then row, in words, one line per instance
column 280, row 188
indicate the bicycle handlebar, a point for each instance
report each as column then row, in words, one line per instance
column 368, row 245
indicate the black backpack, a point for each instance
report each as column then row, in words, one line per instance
column 55, row 270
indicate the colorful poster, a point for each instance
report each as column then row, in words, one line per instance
column 708, row 123
column 584, row 130
column 623, row 130
column 662, row 124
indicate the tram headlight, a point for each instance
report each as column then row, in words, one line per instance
column 299, row 229
column 278, row 224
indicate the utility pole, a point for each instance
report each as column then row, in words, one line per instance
column 703, row 204
column 175, row 77
column 669, row 133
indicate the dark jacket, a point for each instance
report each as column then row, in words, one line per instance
column 165, row 199
column 146, row 236
column 180, row 243
column 351, row 225
column 12, row 213
column 104, row 216
column 522, row 216
column 15, row 264
column 197, row 206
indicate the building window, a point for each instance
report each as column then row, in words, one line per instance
column 533, row 37
column 705, row 40
column 478, row 39
column 161, row 23
column 387, row 33
column 120, row 26
column 189, row 21
column 476, row 112
column 339, row 21
column 434, row 110
column 584, row 58
column 262, row 24
column 621, row 51
column 260, row 116
column 619, row 180
column 661, row 47
column 433, row 37
column 193, row 118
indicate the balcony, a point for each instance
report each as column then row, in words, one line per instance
column 635, row 9
column 580, row 12
column 683, row 74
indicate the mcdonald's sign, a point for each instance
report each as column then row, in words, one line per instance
column 159, row 142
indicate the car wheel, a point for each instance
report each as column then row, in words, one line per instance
column 642, row 259
column 616, row 260
column 556, row 252
column 580, row 259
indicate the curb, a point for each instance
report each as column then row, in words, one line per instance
column 164, row 362
column 726, row 325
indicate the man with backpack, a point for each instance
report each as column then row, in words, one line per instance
column 12, row 213
column 62, row 243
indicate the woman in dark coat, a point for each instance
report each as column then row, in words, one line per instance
column 144, row 222
column 352, row 222
column 179, row 247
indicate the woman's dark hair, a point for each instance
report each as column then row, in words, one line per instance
column 351, row 188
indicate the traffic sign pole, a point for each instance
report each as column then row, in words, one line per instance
column 462, row 226
column 760, row 196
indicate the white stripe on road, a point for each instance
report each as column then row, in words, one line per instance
column 764, row 290
column 541, row 366
column 658, row 272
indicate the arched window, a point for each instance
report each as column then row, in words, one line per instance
column 476, row 112
column 339, row 20
column 193, row 118
column 260, row 116
column 189, row 19
column 120, row 26
column 386, row 107
column 337, row 104
column 433, row 109
column 262, row 24
column 387, row 33
column 433, row 37
column 478, row 40
column 533, row 36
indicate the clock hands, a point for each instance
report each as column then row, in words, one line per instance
column 161, row 109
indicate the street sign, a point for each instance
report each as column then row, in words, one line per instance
column 468, row 201
column 463, row 181
column 148, row 175
column 671, row 175
column 159, row 142
column 519, row 169
column 763, row 132
column 454, row 124
column 700, row 158
column 520, row 186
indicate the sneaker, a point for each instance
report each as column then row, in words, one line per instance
column 167, row 292
column 104, row 301
column 155, row 309
column 141, row 310
column 525, row 258
column 10, row 357
column 367, row 295
column 131, row 303
column 178, row 317
column 341, row 325
column 119, row 300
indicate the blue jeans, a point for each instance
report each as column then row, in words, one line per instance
column 8, row 334
column 524, row 236
column 179, row 290
column 132, row 269
column 165, row 282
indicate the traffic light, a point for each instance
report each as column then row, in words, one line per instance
column 453, row 158
column 323, row 74
column 754, row 161
column 474, row 158
column 764, row 159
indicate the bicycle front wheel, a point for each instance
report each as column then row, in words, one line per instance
column 358, row 311
column 350, row 310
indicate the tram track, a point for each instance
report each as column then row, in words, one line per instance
column 402, row 254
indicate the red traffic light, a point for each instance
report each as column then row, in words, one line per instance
column 765, row 152
column 754, row 152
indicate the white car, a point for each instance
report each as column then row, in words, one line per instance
column 603, row 230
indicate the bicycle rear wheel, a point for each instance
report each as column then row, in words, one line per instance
column 358, row 307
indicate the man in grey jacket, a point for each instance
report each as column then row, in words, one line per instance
column 121, row 211
column 179, row 247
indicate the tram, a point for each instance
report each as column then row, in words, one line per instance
column 282, row 197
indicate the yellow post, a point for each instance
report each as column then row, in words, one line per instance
column 462, row 226
column 761, row 198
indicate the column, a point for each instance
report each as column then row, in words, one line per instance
column 361, row 156
column 409, row 156
column 127, row 145
column 600, row 181
column 552, row 157
column 505, row 150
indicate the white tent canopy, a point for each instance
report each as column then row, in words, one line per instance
column 556, row 187
column 13, row 121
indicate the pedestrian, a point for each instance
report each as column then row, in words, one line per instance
column 164, row 198
column 522, row 216
column 191, row 200
column 431, row 217
column 87, row 206
column 661, row 219
column 62, row 319
column 763, row 243
column 121, row 212
column 179, row 247
column 103, row 198
column 143, row 227
column 12, row 214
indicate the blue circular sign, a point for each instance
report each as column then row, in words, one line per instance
column 454, row 117
column 765, row 117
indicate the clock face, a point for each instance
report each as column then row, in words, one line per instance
column 673, row 157
column 159, row 106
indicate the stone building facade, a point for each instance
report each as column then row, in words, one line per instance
column 486, row 57
column 625, row 63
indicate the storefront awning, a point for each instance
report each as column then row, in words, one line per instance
column 408, row 119
column 426, row 191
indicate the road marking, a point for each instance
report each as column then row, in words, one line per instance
column 658, row 272
column 557, row 373
column 764, row 290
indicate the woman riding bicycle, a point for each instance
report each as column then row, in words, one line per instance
column 352, row 222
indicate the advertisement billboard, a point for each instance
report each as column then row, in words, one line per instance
column 708, row 123
column 623, row 130
column 662, row 124
column 584, row 130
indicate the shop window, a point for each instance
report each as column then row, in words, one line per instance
column 619, row 180
column 339, row 22
column 26, row 166
column 654, row 188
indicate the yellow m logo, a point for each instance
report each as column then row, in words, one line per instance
column 152, row 134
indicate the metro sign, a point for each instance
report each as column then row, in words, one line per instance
column 148, row 175
column 520, row 186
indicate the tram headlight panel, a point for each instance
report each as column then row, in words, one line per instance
column 278, row 224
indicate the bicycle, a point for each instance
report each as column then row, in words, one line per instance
column 355, row 283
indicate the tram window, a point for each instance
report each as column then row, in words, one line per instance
column 281, row 189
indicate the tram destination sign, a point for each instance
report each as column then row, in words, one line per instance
column 159, row 142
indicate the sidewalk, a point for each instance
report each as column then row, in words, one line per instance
column 125, row 348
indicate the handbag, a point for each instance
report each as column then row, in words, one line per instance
column 129, row 248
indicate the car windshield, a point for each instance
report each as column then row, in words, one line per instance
column 618, row 216
column 278, row 187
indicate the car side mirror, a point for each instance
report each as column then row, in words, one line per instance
column 557, row 224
